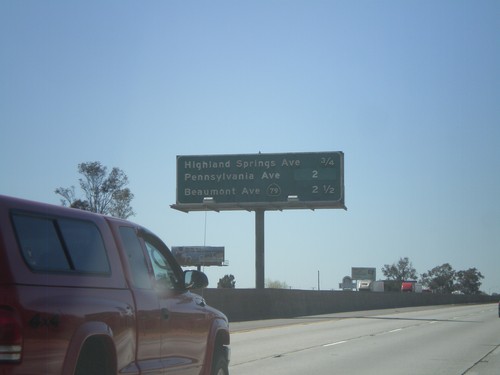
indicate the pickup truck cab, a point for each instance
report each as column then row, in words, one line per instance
column 86, row 294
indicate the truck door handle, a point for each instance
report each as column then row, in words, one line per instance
column 165, row 313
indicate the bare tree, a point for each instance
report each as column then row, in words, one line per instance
column 104, row 193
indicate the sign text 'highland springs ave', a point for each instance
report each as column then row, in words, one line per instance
column 260, row 181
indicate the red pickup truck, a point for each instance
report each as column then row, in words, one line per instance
column 86, row 294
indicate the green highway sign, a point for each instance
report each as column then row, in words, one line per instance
column 260, row 181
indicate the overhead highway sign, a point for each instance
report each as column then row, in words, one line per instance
column 260, row 181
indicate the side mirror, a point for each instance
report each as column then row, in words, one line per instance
column 195, row 279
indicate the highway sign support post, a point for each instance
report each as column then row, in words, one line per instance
column 259, row 250
column 260, row 182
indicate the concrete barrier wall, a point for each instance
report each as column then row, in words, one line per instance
column 252, row 304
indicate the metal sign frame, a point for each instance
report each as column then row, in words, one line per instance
column 260, row 182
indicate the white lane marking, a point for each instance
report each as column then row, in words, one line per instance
column 396, row 330
column 334, row 343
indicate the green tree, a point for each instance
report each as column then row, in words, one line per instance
column 400, row 271
column 227, row 282
column 103, row 193
column 440, row 279
column 275, row 284
column 468, row 281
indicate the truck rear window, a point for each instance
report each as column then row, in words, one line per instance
column 60, row 245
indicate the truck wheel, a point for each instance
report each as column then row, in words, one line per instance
column 220, row 365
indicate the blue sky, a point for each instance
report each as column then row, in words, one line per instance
column 408, row 90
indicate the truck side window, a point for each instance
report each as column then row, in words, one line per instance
column 85, row 246
column 163, row 271
column 136, row 258
column 52, row 244
column 40, row 243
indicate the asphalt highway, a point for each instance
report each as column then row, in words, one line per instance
column 447, row 340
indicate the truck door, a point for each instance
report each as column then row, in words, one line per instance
column 184, row 320
column 148, row 313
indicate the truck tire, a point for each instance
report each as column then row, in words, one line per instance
column 220, row 365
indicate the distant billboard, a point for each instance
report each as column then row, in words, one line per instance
column 253, row 181
column 199, row 255
column 364, row 273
